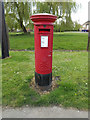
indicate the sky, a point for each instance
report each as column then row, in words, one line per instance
column 81, row 16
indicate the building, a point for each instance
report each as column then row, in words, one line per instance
column 85, row 27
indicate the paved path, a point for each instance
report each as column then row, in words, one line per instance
column 43, row 112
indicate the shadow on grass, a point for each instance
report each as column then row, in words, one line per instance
column 20, row 34
column 68, row 35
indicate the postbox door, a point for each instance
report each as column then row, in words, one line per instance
column 43, row 54
column 46, row 53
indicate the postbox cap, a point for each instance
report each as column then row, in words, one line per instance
column 41, row 18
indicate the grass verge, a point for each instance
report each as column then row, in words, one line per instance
column 18, row 70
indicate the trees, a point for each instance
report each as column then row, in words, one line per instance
column 77, row 26
column 61, row 9
column 17, row 14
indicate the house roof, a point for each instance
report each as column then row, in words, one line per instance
column 87, row 23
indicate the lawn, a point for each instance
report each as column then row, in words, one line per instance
column 62, row 41
column 18, row 71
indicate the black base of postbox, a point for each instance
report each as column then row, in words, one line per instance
column 43, row 79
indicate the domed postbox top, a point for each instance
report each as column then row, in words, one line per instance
column 43, row 18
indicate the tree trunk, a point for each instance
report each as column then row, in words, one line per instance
column 88, row 40
column 23, row 27
column 5, row 50
column 0, row 25
column 20, row 19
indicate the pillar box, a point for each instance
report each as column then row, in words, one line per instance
column 43, row 36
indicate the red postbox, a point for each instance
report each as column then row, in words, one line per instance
column 43, row 35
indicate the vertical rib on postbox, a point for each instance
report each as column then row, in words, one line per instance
column 43, row 36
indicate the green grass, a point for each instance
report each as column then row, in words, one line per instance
column 62, row 41
column 18, row 70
